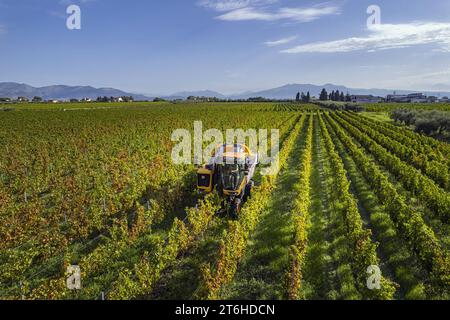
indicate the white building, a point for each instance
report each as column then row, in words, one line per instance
column 411, row 98
column 417, row 98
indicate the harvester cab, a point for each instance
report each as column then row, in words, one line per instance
column 230, row 171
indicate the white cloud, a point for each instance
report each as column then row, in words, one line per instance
column 384, row 37
column 229, row 5
column 280, row 41
column 3, row 29
column 294, row 14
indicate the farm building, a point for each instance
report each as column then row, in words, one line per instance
column 411, row 98
column 37, row 99
column 397, row 98
column 22, row 99
column 366, row 99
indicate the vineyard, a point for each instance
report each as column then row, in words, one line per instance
column 377, row 107
column 94, row 186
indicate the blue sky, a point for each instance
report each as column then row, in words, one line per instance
column 160, row 47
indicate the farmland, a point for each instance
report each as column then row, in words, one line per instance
column 376, row 107
column 94, row 185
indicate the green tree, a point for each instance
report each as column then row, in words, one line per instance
column 323, row 95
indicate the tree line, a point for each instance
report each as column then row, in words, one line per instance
column 306, row 98
column 432, row 123
column 334, row 96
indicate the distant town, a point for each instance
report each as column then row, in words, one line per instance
column 41, row 100
column 335, row 96
column 400, row 98
column 391, row 98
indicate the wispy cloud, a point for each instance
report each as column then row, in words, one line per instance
column 229, row 5
column 3, row 29
column 384, row 37
column 267, row 10
column 280, row 41
column 305, row 14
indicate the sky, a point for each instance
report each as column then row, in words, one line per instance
column 231, row 46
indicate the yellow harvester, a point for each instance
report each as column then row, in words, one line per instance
column 230, row 171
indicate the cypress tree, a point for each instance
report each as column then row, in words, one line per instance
column 323, row 95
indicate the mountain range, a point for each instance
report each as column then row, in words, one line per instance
column 61, row 92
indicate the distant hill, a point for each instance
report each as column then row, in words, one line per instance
column 60, row 92
column 204, row 93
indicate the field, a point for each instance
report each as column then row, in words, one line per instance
column 377, row 107
column 94, row 185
